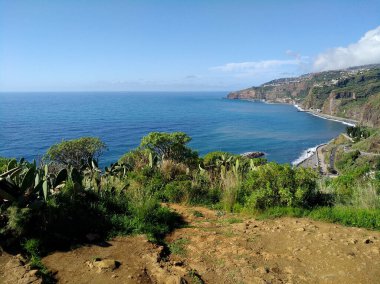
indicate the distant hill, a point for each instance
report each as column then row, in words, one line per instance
column 352, row 93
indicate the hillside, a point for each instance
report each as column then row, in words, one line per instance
column 352, row 93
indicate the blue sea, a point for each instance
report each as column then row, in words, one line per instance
column 31, row 122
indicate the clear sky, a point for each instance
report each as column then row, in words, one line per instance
column 78, row 45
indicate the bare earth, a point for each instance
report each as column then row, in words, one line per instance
column 230, row 249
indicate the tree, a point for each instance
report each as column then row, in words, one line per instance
column 169, row 146
column 76, row 152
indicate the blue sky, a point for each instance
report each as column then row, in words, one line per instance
column 77, row 45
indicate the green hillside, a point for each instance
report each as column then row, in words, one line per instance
column 352, row 93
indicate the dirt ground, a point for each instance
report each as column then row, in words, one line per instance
column 217, row 248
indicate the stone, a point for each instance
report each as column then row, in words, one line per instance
column 106, row 265
column 367, row 241
column 262, row 270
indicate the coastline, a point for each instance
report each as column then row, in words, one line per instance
column 346, row 121
column 309, row 156
column 311, row 160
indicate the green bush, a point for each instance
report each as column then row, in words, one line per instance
column 176, row 191
column 75, row 152
column 18, row 220
column 135, row 159
column 211, row 159
column 4, row 164
column 170, row 146
column 273, row 185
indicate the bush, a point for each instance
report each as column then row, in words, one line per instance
column 171, row 169
column 136, row 159
column 177, row 191
column 17, row 221
column 4, row 164
column 170, row 146
column 280, row 185
column 230, row 193
column 75, row 152
column 211, row 159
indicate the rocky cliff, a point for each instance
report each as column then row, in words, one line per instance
column 352, row 93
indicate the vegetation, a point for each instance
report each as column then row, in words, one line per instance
column 349, row 216
column 67, row 198
column 353, row 93
column 76, row 152
column 357, row 133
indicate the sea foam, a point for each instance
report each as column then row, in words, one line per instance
column 305, row 155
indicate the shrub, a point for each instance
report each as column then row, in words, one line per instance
column 347, row 160
column 280, row 185
column 366, row 195
column 136, row 159
column 4, row 164
column 75, row 152
column 230, row 187
column 201, row 191
column 170, row 146
column 176, row 191
column 211, row 159
column 171, row 169
column 18, row 220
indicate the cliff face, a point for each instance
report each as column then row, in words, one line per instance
column 370, row 112
column 287, row 92
column 352, row 93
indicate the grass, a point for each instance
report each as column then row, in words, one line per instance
column 178, row 247
column 195, row 277
column 32, row 248
column 345, row 215
column 371, row 144
column 198, row 214
column 234, row 220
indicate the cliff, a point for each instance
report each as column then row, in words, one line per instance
column 351, row 93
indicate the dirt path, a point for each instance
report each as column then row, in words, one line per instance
column 232, row 249
column 218, row 248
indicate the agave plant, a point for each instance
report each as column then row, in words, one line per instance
column 91, row 174
column 23, row 181
column 18, row 182
column 224, row 160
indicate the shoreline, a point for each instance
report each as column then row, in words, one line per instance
column 314, row 150
column 346, row 121
column 307, row 155
column 312, row 161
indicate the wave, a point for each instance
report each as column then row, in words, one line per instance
column 332, row 119
column 298, row 107
column 305, row 155
column 324, row 117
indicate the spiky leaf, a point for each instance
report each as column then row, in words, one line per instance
column 45, row 189
column 12, row 164
column 28, row 180
column 36, row 179
column 61, row 177
column 12, row 172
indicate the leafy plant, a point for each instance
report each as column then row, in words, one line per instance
column 76, row 152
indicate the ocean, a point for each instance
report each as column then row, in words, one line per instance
column 31, row 122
